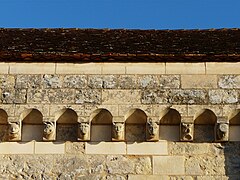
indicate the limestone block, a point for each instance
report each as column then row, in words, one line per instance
column 148, row 81
column 75, row 81
column 120, row 97
column 229, row 81
column 52, row 81
column 199, row 81
column 234, row 133
column 185, row 68
column 88, row 96
column 15, row 131
column 113, row 68
column 223, row 96
column 222, row 68
column 72, row 68
column 20, row 96
column 49, row 131
column 221, row 131
column 147, row 148
column 4, row 67
column 17, row 148
column 61, row 96
column 168, row 165
column 118, row 131
column 84, row 131
column 145, row 68
column 28, row 81
column 128, row 82
column 49, row 148
column 169, row 81
column 90, row 108
column 169, row 133
column 39, row 96
column 148, row 109
column 10, row 96
column 103, row 81
column 9, row 108
column 147, row 177
column 32, row 68
column 74, row 147
column 20, row 108
column 186, row 131
column 7, row 81
column 196, row 148
column 176, row 148
column 105, row 148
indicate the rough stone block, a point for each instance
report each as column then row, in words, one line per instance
column 75, row 81
column 148, row 81
column 37, row 96
column 49, row 148
column 169, row 81
column 88, row 96
column 105, row 148
column 185, row 68
column 223, row 96
column 61, row 96
column 168, row 165
column 145, row 68
column 199, row 81
column 28, row 81
column 147, row 148
column 103, row 81
column 222, row 68
column 32, row 68
column 120, row 97
column 52, row 81
column 7, row 81
column 17, row 147
column 128, row 82
column 74, row 147
column 147, row 177
column 229, row 81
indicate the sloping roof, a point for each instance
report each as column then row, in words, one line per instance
column 119, row 45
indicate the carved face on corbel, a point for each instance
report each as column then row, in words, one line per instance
column 152, row 130
column 14, row 131
column 49, row 131
column 84, row 131
column 118, row 131
column 221, row 132
column 187, row 131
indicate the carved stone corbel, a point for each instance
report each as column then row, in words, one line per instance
column 186, row 131
column 15, row 131
column 221, row 132
column 49, row 131
column 84, row 131
column 118, row 131
column 152, row 130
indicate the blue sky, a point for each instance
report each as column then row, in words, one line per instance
column 115, row 14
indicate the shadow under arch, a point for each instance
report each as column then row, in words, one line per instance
column 32, row 125
column 135, row 122
column 170, row 120
column 101, row 125
column 3, row 125
column 67, row 123
column 204, row 122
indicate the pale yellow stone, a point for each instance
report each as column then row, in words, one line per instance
column 168, row 165
column 8, row 108
column 20, row 108
column 124, row 109
column 121, row 97
column 113, row 68
column 85, row 68
column 195, row 109
column 145, row 68
column 147, row 177
column 101, row 133
column 105, row 148
column 32, row 68
column 89, row 109
column 222, row 68
column 147, row 148
column 169, row 133
column 199, row 81
column 49, row 148
column 185, row 68
column 234, row 133
column 182, row 109
column 17, row 147
column 4, row 67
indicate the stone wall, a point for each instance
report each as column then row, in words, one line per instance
column 203, row 95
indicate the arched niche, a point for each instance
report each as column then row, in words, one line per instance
column 135, row 121
column 67, row 121
column 3, row 125
column 204, row 122
column 32, row 125
column 234, row 125
column 101, row 125
column 169, row 128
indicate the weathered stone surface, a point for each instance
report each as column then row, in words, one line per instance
column 223, row 96
column 128, row 82
column 28, row 81
column 61, row 96
column 88, row 96
column 20, row 96
column 52, row 81
column 148, row 81
column 75, row 81
column 229, row 81
column 215, row 177
column 37, row 96
column 7, row 81
column 7, row 96
column 154, row 97
column 176, row 148
column 199, row 81
column 147, row 177
column 169, row 81
column 181, row 178
column 105, row 81
column 205, row 165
